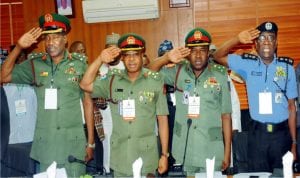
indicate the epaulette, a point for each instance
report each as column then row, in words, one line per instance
column 287, row 60
column 37, row 55
column 218, row 68
column 77, row 56
column 152, row 74
column 114, row 72
column 249, row 56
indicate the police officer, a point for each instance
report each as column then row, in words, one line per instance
column 55, row 76
column 271, row 88
column 136, row 98
column 202, row 95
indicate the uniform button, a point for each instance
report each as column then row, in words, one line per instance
column 58, row 88
column 131, row 92
column 129, row 137
column 129, row 122
column 58, row 108
column 195, row 127
column 58, row 128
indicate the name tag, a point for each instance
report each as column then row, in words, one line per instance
column 20, row 106
column 50, row 98
column 128, row 108
column 194, row 107
column 265, row 103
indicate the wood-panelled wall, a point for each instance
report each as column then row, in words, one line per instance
column 222, row 18
column 225, row 19
column 173, row 24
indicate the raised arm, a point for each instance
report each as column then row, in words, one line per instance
column 244, row 37
column 176, row 55
column 106, row 56
column 24, row 42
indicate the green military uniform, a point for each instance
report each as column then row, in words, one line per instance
column 205, row 136
column 133, row 139
column 58, row 132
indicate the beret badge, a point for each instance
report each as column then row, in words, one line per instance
column 48, row 18
column 130, row 40
column 197, row 35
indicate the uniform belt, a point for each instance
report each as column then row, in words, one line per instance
column 170, row 89
column 270, row 127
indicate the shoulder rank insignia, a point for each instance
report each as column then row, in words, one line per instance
column 114, row 72
column 42, row 56
column 286, row 60
column 249, row 56
column 218, row 68
column 152, row 74
column 77, row 56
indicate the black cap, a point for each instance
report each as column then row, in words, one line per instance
column 268, row 27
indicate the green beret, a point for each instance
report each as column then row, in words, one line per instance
column 131, row 42
column 197, row 37
column 54, row 23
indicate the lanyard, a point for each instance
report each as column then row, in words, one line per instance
column 53, row 72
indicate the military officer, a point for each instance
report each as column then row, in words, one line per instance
column 55, row 75
column 203, row 98
column 136, row 99
column 271, row 87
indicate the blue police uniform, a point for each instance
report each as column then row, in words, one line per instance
column 269, row 137
column 260, row 77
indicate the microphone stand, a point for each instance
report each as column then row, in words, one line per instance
column 177, row 170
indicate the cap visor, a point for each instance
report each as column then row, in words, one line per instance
column 198, row 44
column 131, row 49
column 52, row 31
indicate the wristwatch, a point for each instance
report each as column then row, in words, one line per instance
column 165, row 154
column 91, row 145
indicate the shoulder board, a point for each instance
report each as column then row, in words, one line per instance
column 37, row 56
column 77, row 56
column 153, row 75
column 114, row 72
column 249, row 56
column 218, row 68
column 286, row 60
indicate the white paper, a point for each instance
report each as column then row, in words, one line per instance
column 51, row 98
column 52, row 172
column 210, row 167
column 217, row 174
column 287, row 161
column 247, row 175
column 265, row 103
column 136, row 168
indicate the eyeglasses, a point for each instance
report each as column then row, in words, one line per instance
column 269, row 38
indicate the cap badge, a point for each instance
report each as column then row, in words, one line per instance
column 197, row 35
column 131, row 40
column 268, row 26
column 48, row 18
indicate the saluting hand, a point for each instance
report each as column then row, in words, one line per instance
column 177, row 55
column 248, row 36
column 109, row 54
column 29, row 37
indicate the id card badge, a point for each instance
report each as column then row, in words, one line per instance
column 50, row 98
column 128, row 110
column 185, row 98
column 194, row 107
column 278, row 97
column 20, row 106
column 265, row 103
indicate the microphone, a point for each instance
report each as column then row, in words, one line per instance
column 73, row 159
column 177, row 169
